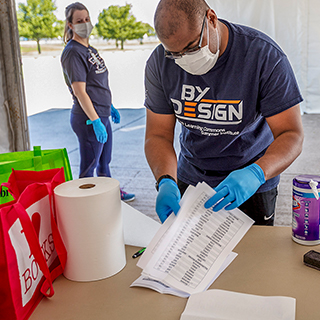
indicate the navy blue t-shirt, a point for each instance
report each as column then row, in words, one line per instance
column 223, row 112
column 84, row 64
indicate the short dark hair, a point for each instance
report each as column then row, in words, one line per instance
column 69, row 11
column 176, row 12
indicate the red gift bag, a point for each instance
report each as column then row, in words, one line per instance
column 32, row 253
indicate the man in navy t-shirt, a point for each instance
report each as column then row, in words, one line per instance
column 234, row 92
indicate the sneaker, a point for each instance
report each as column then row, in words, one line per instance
column 126, row 197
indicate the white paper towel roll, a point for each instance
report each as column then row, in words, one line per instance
column 90, row 222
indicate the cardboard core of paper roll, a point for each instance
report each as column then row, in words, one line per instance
column 87, row 186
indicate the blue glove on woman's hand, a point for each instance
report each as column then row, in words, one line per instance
column 236, row 188
column 168, row 199
column 115, row 115
column 99, row 130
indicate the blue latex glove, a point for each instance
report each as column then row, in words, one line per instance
column 168, row 199
column 99, row 130
column 236, row 188
column 115, row 115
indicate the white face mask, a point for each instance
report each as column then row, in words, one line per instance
column 83, row 30
column 200, row 62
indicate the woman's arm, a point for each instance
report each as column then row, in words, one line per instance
column 79, row 90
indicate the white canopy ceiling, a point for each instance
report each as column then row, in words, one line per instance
column 294, row 25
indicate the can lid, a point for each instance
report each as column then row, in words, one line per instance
column 303, row 181
column 306, row 178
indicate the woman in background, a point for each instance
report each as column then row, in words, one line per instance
column 86, row 76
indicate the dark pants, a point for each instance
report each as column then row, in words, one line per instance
column 93, row 154
column 260, row 207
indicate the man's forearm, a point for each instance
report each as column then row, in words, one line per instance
column 161, row 156
column 281, row 153
column 288, row 135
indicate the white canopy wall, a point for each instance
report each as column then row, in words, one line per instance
column 294, row 25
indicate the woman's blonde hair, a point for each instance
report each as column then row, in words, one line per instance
column 70, row 9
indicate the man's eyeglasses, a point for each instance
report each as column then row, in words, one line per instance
column 178, row 55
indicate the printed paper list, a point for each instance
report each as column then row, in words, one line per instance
column 189, row 250
column 198, row 243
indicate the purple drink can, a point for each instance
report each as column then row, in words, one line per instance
column 306, row 209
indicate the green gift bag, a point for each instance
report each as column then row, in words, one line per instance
column 37, row 160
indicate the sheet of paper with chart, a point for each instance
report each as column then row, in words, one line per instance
column 190, row 248
column 146, row 282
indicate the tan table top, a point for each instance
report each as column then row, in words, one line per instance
column 269, row 263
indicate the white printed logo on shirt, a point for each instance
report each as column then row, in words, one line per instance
column 194, row 107
column 96, row 60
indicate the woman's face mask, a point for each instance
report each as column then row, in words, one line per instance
column 83, row 30
column 202, row 61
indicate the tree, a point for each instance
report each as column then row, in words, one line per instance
column 144, row 28
column 59, row 27
column 118, row 23
column 37, row 21
column 94, row 32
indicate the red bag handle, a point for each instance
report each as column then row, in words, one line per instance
column 16, row 188
column 35, row 248
column 33, row 240
column 58, row 242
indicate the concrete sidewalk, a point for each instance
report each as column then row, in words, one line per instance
column 51, row 130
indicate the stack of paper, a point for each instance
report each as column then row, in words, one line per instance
column 191, row 249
